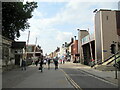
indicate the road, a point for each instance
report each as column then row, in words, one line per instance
column 65, row 77
column 85, row 80
column 33, row 78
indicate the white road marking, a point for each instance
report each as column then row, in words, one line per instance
column 98, row 78
column 77, row 87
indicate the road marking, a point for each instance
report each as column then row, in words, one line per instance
column 78, row 75
column 77, row 87
column 98, row 78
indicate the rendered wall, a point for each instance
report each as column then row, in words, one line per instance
column 98, row 48
column 81, row 34
column 108, row 32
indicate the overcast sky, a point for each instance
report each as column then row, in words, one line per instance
column 54, row 23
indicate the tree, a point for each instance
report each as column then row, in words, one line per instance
column 15, row 17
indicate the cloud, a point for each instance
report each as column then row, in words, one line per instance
column 38, row 14
column 72, row 0
column 64, row 36
column 73, row 14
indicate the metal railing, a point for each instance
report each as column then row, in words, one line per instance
column 110, row 58
column 88, row 38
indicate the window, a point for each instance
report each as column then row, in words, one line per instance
column 107, row 17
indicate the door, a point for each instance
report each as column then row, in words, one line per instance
column 17, row 59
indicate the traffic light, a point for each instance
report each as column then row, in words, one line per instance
column 113, row 47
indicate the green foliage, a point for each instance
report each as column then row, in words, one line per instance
column 15, row 17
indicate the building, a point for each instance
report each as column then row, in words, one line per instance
column 119, row 5
column 65, row 50
column 74, row 51
column 6, row 51
column 107, row 30
column 56, row 53
column 50, row 55
column 0, row 51
column 12, row 0
column 81, row 35
column 69, row 49
column 86, row 46
column 62, row 51
column 12, row 53
column 33, row 52
column 96, row 46
column 18, row 49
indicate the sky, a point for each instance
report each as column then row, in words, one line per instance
column 54, row 22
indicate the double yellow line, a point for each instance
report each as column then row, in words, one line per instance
column 77, row 87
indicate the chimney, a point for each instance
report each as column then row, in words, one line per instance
column 75, row 37
column 65, row 44
column 72, row 39
column 62, row 45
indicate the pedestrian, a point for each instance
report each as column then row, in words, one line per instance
column 45, row 61
column 48, row 63
column 23, row 64
column 41, row 65
column 92, row 62
column 36, row 62
column 63, row 61
column 56, row 63
column 60, row 61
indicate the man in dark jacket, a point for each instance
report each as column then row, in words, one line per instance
column 41, row 65
column 48, row 60
column 56, row 63
column 23, row 65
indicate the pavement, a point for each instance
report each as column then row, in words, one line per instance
column 105, row 75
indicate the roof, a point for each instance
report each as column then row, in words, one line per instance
column 31, row 45
column 83, row 30
column 18, row 45
column 105, row 10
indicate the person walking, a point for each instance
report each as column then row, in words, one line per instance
column 37, row 61
column 48, row 63
column 41, row 65
column 63, row 61
column 23, row 64
column 56, row 63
